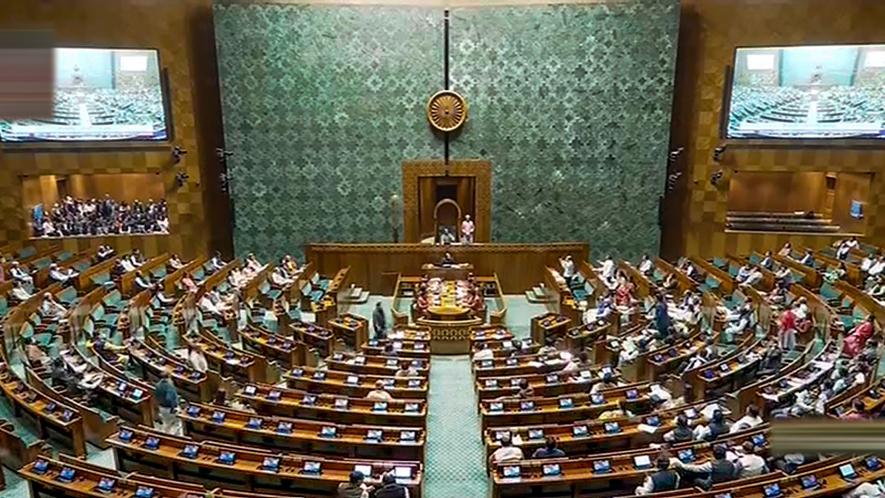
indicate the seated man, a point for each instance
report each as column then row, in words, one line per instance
column 719, row 469
column 142, row 283
column 379, row 393
column 506, row 453
column 19, row 293
column 216, row 263
column 61, row 275
column 20, row 274
column 50, row 309
column 175, row 262
column 447, row 259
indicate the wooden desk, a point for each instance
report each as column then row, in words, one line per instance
column 350, row 328
column 548, row 327
column 293, row 403
column 350, row 384
column 51, row 419
column 578, row 478
column 403, row 349
column 314, row 336
column 227, row 361
column 282, row 350
column 551, row 410
column 247, row 472
column 377, row 365
column 458, row 271
column 543, row 385
column 520, row 266
column 151, row 362
column 201, row 422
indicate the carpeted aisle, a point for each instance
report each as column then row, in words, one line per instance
column 455, row 455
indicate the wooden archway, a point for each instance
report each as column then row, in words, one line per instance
column 447, row 213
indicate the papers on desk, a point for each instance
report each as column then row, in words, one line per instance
column 648, row 429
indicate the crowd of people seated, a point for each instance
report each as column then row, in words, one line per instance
column 467, row 294
column 94, row 217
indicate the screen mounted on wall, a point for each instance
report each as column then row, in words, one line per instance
column 100, row 95
column 809, row 92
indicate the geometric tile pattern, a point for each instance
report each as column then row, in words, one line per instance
column 571, row 104
column 707, row 49
column 321, row 105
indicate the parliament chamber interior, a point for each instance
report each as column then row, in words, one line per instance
column 442, row 248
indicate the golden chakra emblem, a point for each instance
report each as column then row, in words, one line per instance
column 446, row 110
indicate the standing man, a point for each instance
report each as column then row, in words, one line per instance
column 568, row 268
column 467, row 230
column 379, row 321
column 167, row 400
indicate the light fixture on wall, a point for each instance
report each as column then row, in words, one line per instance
column 718, row 152
column 716, row 177
column 177, row 153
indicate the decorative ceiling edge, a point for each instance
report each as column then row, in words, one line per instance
column 421, row 3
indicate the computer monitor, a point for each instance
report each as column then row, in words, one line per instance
column 328, row 431
column 772, row 490
column 510, row 362
column 642, row 462
column 309, row 399
column 512, row 471
column 686, row 455
column 284, row 427
column 809, row 482
column 580, row 431
column 872, row 463
column 602, row 466
column 379, row 406
column 758, row 440
column 297, row 372
column 375, row 434
column 254, row 423
column 402, row 472
column 341, row 403
column 41, row 466
column 407, row 435
column 691, row 413
column 411, row 408
column 847, row 471
column 352, row 379
column 67, row 415
column 152, row 443
column 491, row 382
column 597, row 399
column 526, row 406
column 137, row 394
column 271, row 464
column 486, row 364
column 67, row 474
column 552, row 379
column 312, row 467
column 414, row 383
column 144, row 492
column 274, row 395
column 193, row 411
column 365, row 470
column 708, row 373
column 125, row 435
column 319, row 375
column 227, row 457
column 496, row 406
column 566, row 403
column 725, row 367
column 499, row 435
column 653, row 420
column 536, row 433
column 551, row 470
column 218, row 416
column 612, row 427
column 631, row 394
column 190, row 451
column 106, row 484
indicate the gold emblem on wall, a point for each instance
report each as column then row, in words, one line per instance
column 446, row 110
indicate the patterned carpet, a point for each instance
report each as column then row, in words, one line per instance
column 454, row 455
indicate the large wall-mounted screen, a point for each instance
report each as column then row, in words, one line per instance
column 809, row 92
column 99, row 95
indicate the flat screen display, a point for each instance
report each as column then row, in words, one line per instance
column 808, row 92
column 100, row 95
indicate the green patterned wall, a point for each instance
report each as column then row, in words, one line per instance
column 571, row 103
column 321, row 105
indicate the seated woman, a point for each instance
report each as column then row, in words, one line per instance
column 859, row 336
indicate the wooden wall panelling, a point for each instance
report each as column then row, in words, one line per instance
column 518, row 266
